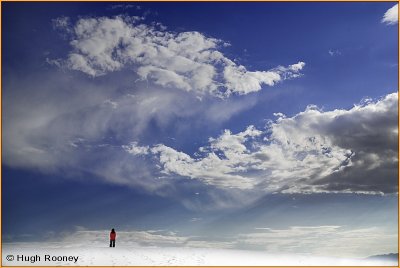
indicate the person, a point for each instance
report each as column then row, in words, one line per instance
column 113, row 235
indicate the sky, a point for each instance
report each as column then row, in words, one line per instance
column 262, row 126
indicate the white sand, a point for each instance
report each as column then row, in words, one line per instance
column 98, row 255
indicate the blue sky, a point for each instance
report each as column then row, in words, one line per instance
column 227, row 124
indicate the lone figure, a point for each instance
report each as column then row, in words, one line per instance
column 113, row 235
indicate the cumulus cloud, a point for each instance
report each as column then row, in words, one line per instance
column 314, row 151
column 189, row 61
column 211, row 169
column 391, row 16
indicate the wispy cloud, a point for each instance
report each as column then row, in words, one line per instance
column 323, row 240
column 125, row 6
column 391, row 16
column 334, row 52
column 148, row 238
column 82, row 130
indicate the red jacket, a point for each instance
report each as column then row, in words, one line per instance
column 113, row 235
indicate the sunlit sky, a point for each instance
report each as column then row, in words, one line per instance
column 263, row 126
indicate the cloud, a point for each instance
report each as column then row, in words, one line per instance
column 211, row 169
column 335, row 241
column 325, row 240
column 57, row 121
column 147, row 238
column 314, row 151
column 61, row 23
column 239, row 80
column 133, row 148
column 136, row 239
column 125, row 6
column 189, row 61
column 334, row 52
column 74, row 126
column 391, row 16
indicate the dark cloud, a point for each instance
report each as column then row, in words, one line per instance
column 371, row 133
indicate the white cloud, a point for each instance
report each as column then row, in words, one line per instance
column 55, row 122
column 137, row 239
column 323, row 240
column 335, row 151
column 148, row 238
column 335, row 52
column 329, row 240
column 297, row 67
column 212, row 169
column 392, row 15
column 188, row 61
column 125, row 6
column 133, row 148
column 313, row 151
column 61, row 23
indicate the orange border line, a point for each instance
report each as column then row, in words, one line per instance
column 225, row 1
